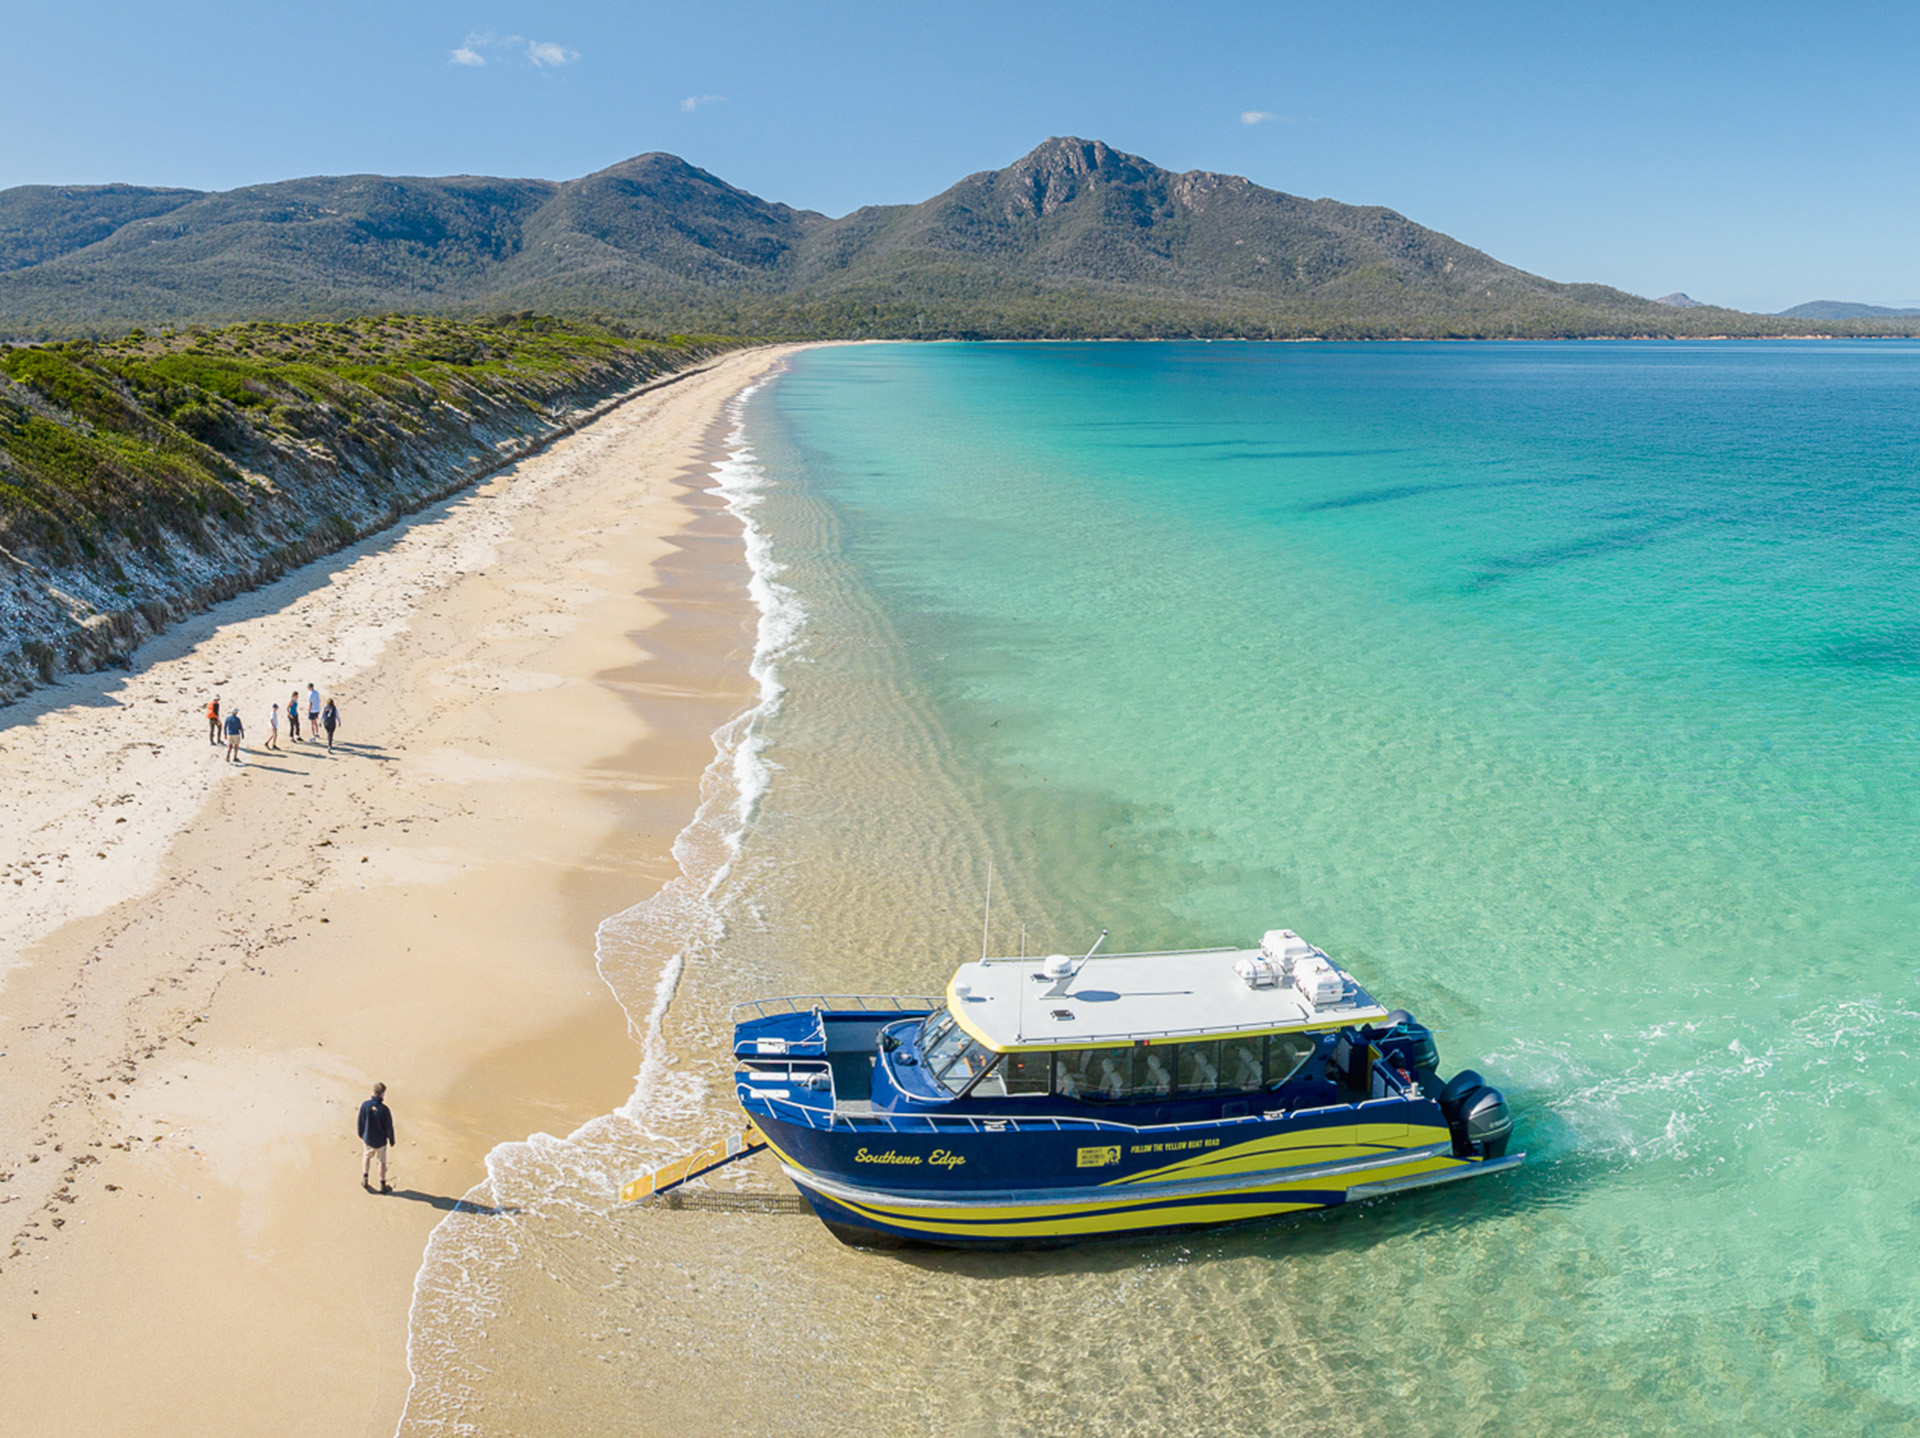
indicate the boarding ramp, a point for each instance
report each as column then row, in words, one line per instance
column 718, row 1154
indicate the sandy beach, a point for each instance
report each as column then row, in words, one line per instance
column 204, row 967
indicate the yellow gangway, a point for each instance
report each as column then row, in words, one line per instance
column 715, row 1155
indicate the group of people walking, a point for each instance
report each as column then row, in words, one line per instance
column 320, row 716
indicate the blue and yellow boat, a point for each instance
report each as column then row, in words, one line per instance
column 1047, row 1101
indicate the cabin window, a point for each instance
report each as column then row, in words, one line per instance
column 1026, row 1073
column 1197, row 1068
column 1285, row 1055
column 965, row 1066
column 940, row 1041
column 1144, row 1073
column 1153, row 1072
column 1243, row 1064
column 1136, row 1073
column 1074, row 1073
column 994, row 1083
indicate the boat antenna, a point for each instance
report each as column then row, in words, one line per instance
column 987, row 920
column 1096, row 944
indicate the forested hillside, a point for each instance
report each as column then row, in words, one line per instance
column 1075, row 239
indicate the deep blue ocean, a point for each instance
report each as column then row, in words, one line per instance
column 1567, row 693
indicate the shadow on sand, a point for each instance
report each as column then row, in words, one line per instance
column 451, row 1205
column 98, row 690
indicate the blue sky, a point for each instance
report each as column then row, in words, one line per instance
column 1753, row 155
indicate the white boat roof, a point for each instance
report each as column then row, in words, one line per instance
column 1011, row 1004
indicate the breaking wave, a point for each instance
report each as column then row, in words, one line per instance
column 641, row 953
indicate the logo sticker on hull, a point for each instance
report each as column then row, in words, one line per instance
column 1098, row 1157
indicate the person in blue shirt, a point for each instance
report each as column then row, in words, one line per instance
column 236, row 731
column 376, row 1132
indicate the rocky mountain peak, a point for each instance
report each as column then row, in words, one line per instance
column 1064, row 167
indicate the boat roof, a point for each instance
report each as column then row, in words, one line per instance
column 1010, row 1004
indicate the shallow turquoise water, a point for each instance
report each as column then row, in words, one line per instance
column 1566, row 692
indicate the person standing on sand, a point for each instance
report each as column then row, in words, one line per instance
column 213, row 721
column 376, row 1132
column 293, row 716
column 330, row 718
column 273, row 729
column 236, row 731
column 313, row 711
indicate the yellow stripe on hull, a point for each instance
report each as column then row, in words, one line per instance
column 1307, row 1146
column 1125, row 1210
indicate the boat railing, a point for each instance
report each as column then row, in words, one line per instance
column 856, row 1003
column 882, row 1120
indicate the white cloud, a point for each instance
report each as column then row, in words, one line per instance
column 1264, row 117
column 541, row 54
column 694, row 102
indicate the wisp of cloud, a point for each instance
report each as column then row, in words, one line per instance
column 541, row 54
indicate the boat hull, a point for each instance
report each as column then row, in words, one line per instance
column 1231, row 1178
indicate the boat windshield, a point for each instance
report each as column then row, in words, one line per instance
column 950, row 1056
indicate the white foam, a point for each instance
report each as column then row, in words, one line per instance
column 741, row 481
column 456, row 1292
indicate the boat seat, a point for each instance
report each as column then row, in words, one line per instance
column 1159, row 1082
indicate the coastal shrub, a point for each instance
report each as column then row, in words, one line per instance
column 139, row 437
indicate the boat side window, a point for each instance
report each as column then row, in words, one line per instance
column 1153, row 1072
column 1286, row 1053
column 1197, row 1068
column 1112, row 1071
column 1243, row 1065
column 1100, row 1074
column 1026, row 1073
column 1075, row 1075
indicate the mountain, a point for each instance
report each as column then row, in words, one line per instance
column 1680, row 300
column 43, row 222
column 1074, row 239
column 1844, row 310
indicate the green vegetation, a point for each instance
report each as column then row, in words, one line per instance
column 106, row 447
column 1075, row 240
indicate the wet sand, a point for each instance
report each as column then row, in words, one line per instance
column 204, row 967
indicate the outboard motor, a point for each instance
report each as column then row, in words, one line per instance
column 1477, row 1116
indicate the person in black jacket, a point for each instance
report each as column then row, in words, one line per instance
column 376, row 1132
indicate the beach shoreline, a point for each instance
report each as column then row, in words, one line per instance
column 185, row 1239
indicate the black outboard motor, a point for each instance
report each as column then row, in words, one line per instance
column 1476, row 1115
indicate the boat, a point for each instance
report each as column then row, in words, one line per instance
column 1046, row 1101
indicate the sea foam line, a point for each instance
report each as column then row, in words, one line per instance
column 458, row 1277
